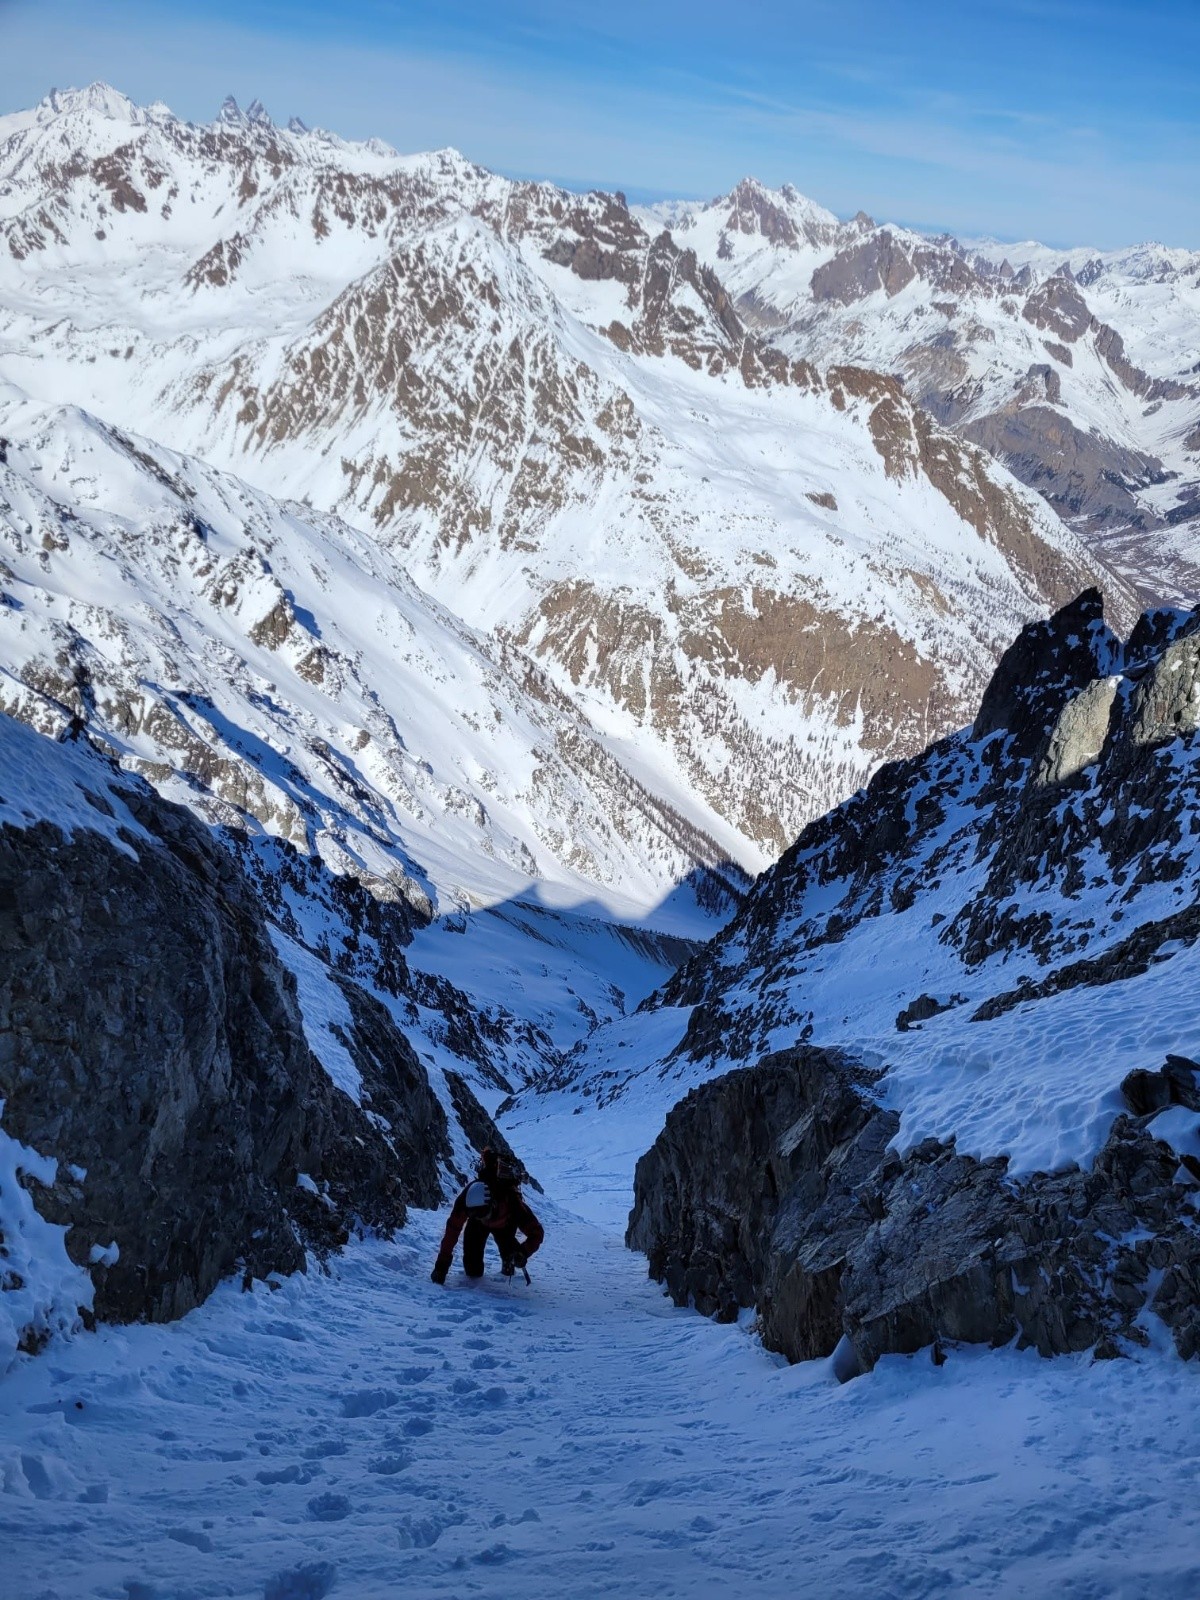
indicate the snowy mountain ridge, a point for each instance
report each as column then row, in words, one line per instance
column 1003, row 927
column 1076, row 368
column 423, row 598
column 556, row 420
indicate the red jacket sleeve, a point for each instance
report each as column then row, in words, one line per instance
column 454, row 1226
column 529, row 1225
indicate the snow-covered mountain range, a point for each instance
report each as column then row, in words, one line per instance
column 752, row 575
column 425, row 600
column 492, row 566
column 1079, row 369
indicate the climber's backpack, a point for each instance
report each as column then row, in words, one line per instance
column 478, row 1201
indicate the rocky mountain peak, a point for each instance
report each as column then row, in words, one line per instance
column 752, row 210
column 1045, row 665
column 99, row 100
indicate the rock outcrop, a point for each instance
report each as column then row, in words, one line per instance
column 153, row 1044
column 960, row 1168
column 777, row 1186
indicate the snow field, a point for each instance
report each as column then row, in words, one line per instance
column 368, row 1434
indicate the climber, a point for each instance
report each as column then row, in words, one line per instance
column 491, row 1203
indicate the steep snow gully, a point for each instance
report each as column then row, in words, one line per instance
column 481, row 806
column 365, row 1433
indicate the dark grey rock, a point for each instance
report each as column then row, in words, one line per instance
column 1048, row 664
column 922, row 1008
column 775, row 1186
column 151, row 1037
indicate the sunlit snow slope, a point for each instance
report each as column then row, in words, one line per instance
column 1076, row 368
column 753, row 577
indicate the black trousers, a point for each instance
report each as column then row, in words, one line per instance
column 475, row 1237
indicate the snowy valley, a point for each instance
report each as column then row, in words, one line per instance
column 704, row 699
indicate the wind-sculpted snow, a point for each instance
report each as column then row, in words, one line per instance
column 755, row 579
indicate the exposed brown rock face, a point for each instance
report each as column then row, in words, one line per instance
column 1086, row 478
column 725, row 634
column 1058, row 307
column 911, row 444
column 877, row 263
column 751, row 211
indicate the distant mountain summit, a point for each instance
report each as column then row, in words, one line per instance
column 1075, row 369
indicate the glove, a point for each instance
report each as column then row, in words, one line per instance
column 440, row 1269
column 513, row 1263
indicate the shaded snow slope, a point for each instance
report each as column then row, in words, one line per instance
column 366, row 1432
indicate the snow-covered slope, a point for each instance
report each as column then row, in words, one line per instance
column 754, row 579
column 1005, row 926
column 315, row 1441
column 374, row 761
column 1077, row 369
column 279, row 670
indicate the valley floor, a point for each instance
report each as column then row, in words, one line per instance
column 366, row 1434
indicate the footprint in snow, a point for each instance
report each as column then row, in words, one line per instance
column 528, row 1515
column 388, row 1466
column 329, row 1507
column 197, row 1540
column 415, row 1426
column 324, row 1448
column 33, row 1470
column 366, row 1402
column 493, row 1556
column 283, row 1330
column 497, row 1395
column 294, row 1473
column 310, row 1582
column 420, row 1533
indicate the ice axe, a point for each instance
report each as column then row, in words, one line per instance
column 509, row 1268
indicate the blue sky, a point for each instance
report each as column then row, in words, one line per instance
column 1068, row 121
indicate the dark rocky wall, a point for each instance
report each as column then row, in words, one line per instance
column 775, row 1186
column 150, row 1037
